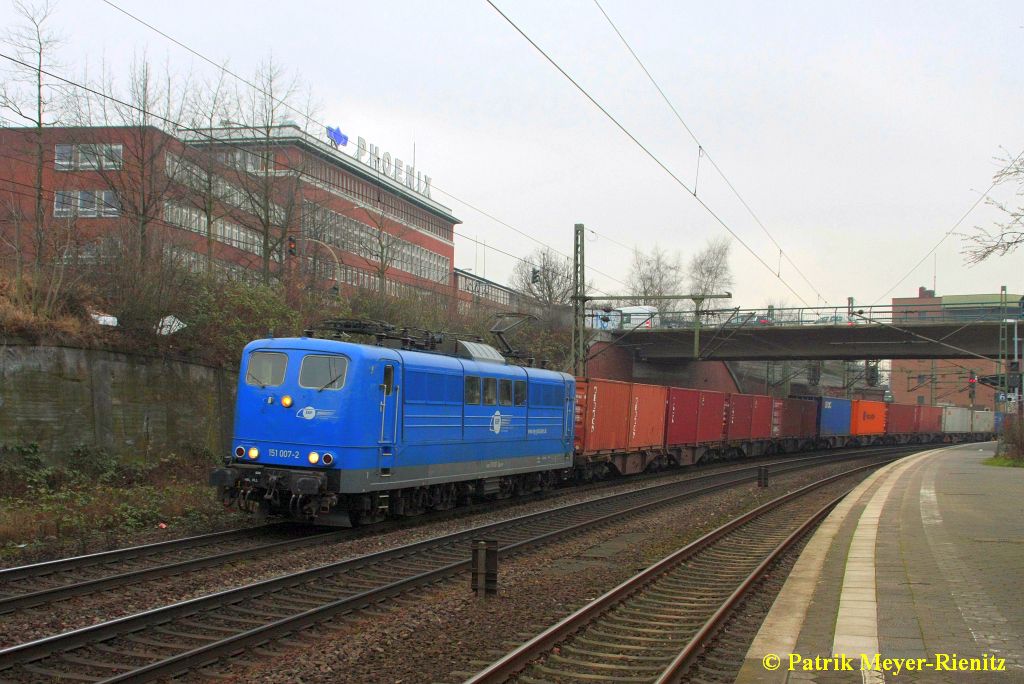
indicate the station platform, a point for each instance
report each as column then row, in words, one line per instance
column 916, row 576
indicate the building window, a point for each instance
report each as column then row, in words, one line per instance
column 64, row 202
column 88, row 157
column 920, row 399
column 64, row 157
column 113, row 156
column 109, row 206
column 87, row 203
column 921, row 378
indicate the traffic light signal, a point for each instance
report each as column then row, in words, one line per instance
column 291, row 246
column 972, row 384
column 535, row 276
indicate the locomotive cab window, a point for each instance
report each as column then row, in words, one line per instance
column 505, row 392
column 520, row 392
column 389, row 380
column 322, row 372
column 472, row 389
column 266, row 369
column 490, row 391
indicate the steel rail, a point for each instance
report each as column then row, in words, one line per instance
column 59, row 593
column 682, row 662
column 514, row 661
column 37, row 650
column 28, row 599
column 102, row 557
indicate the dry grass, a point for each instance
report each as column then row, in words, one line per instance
column 55, row 510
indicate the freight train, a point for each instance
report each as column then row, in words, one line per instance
column 341, row 433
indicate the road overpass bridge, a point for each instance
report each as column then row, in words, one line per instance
column 878, row 333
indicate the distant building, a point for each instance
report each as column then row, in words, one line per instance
column 250, row 203
column 945, row 381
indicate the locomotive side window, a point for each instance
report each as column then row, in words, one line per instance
column 322, row 372
column 505, row 392
column 266, row 369
column 389, row 380
column 472, row 389
column 520, row 393
column 490, row 391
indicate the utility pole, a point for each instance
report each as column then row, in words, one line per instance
column 1002, row 386
column 579, row 303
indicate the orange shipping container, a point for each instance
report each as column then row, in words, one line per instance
column 602, row 415
column 867, row 417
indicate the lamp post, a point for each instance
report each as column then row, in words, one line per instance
column 337, row 263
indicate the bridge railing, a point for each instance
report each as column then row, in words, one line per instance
column 836, row 316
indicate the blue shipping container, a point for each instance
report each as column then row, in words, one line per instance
column 834, row 417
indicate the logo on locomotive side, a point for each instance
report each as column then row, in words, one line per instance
column 496, row 422
column 309, row 413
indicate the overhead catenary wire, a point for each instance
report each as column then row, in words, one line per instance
column 702, row 152
column 648, row 152
column 949, row 232
column 305, row 115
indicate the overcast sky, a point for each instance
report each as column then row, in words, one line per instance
column 858, row 132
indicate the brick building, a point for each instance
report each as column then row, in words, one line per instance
column 236, row 200
column 945, row 381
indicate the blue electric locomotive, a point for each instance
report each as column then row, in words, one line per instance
column 342, row 433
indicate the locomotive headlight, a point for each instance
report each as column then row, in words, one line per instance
column 253, row 452
column 286, row 401
column 314, row 457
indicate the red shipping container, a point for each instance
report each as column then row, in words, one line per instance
column 647, row 408
column 778, row 411
column 928, row 420
column 808, row 418
column 792, row 418
column 761, row 420
column 695, row 416
column 602, row 415
column 867, row 417
column 741, row 414
column 901, row 419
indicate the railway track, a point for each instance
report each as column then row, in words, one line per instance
column 189, row 635
column 42, row 583
column 653, row 627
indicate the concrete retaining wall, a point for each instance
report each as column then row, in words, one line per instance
column 60, row 398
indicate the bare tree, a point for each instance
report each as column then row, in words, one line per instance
column 709, row 270
column 269, row 189
column 380, row 243
column 545, row 276
column 655, row 275
column 26, row 94
column 1007, row 235
column 201, row 166
column 131, row 159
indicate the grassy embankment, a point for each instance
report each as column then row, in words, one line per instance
column 94, row 501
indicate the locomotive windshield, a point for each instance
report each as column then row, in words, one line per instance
column 266, row 369
column 322, row 372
